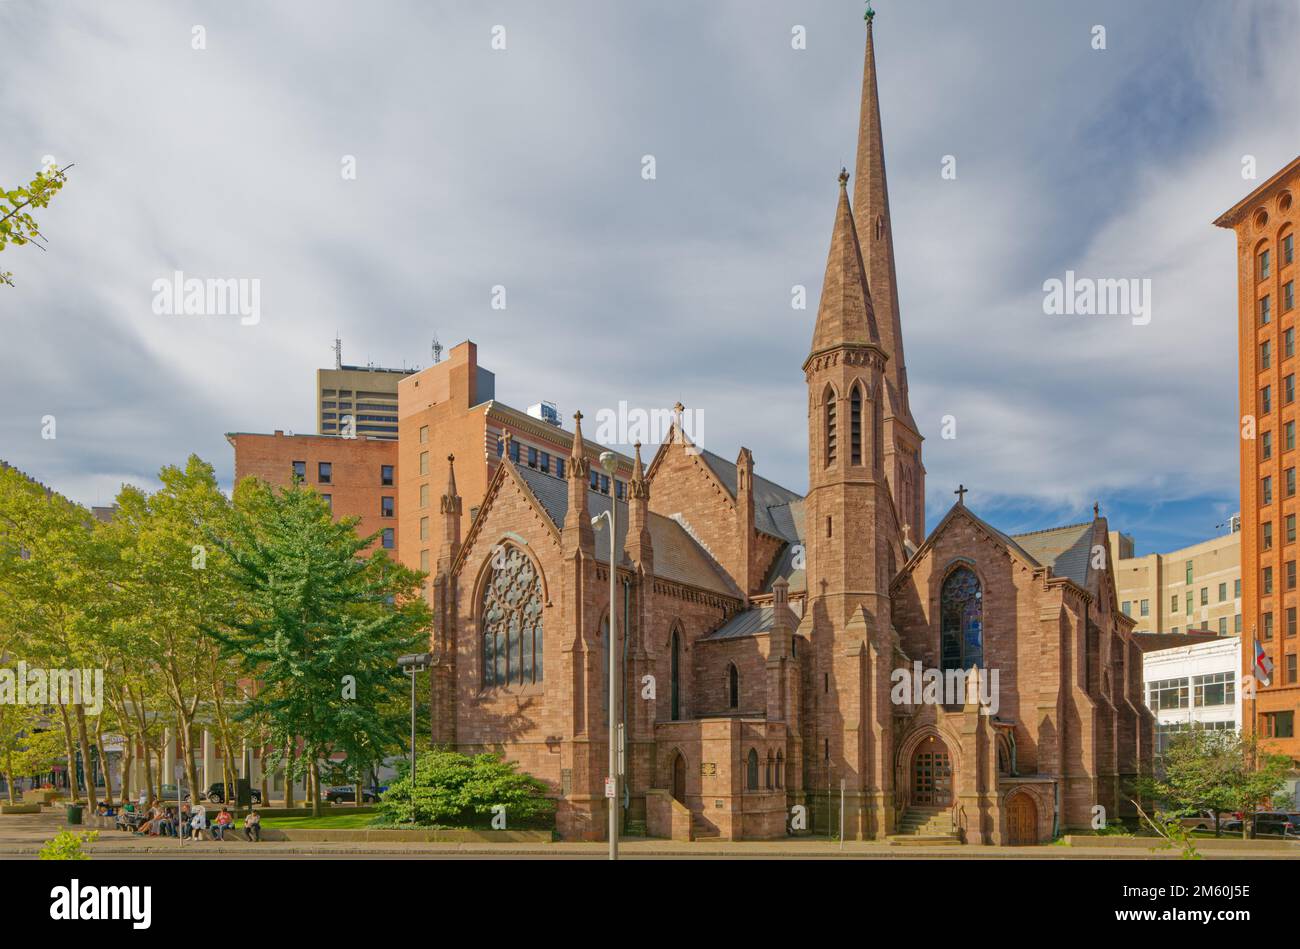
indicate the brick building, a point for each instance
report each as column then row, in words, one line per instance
column 769, row 639
column 1265, row 224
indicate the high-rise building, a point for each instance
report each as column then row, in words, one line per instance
column 1265, row 224
column 357, row 400
column 1196, row 588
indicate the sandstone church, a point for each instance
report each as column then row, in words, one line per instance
column 761, row 632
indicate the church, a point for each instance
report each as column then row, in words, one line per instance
column 768, row 640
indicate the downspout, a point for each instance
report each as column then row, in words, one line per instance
column 627, row 616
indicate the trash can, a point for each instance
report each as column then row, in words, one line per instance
column 74, row 813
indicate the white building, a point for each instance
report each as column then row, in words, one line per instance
column 1195, row 684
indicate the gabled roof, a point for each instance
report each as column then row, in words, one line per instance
column 1067, row 550
column 771, row 501
column 678, row 557
column 745, row 623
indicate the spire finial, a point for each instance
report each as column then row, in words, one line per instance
column 870, row 14
column 844, row 177
column 1096, row 510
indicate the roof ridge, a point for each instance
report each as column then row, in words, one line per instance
column 1048, row 530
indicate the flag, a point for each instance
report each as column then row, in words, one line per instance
column 1263, row 665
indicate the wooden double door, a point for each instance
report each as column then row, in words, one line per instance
column 932, row 776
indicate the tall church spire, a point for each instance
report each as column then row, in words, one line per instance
column 875, row 231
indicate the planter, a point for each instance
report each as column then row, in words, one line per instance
column 20, row 808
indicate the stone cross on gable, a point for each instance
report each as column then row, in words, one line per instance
column 961, row 493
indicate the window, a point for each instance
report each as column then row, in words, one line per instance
column 855, row 425
column 1278, row 724
column 1263, row 264
column 386, row 476
column 1288, row 436
column 1218, row 688
column 1268, row 625
column 1236, row 625
column 324, row 471
column 388, row 538
column 1288, row 296
column 675, row 676
column 1189, row 607
column 1288, row 343
column 1266, row 536
column 1266, row 490
column 299, row 471
column 1288, row 249
column 511, row 623
column 424, row 434
column 329, row 500
column 1266, row 400
column 559, row 467
column 593, row 480
column 514, row 450
column 768, row 777
column 1266, row 445
column 1267, row 582
column 424, row 495
column 1223, row 592
column 1126, row 608
column 780, row 770
column 1265, row 311
column 1145, row 608
column 1288, row 389
column 424, row 462
column 424, row 528
column 1290, row 574
column 424, row 560
column 1290, row 482
column 604, row 484
column 1264, row 352
column 1188, row 570
column 1290, row 622
column 386, row 506
column 1223, row 626
column 1205, row 596
column 733, row 686
column 1168, row 693
column 532, row 457
column 1173, row 603
column 961, row 611
column 1290, row 528
column 830, row 427
column 1236, row 588
column 1290, row 668
column 618, row 489
column 751, row 770
column 545, row 464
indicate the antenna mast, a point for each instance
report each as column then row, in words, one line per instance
column 437, row 350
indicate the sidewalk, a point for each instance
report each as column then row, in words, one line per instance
column 21, row 837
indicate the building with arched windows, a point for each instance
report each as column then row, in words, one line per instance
column 781, row 653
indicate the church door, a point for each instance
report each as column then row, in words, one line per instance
column 932, row 776
column 1022, row 820
column 679, row 778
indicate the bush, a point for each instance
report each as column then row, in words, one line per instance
column 456, row 790
column 66, row 845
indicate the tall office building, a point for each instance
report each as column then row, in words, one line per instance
column 359, row 400
column 1196, row 588
column 1265, row 224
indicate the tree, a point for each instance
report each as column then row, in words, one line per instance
column 17, row 226
column 320, row 626
column 1218, row 771
column 457, row 790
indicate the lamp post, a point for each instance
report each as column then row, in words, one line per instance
column 609, row 462
column 411, row 664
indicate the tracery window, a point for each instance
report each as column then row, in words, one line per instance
column 961, row 609
column 511, row 622
column 751, row 770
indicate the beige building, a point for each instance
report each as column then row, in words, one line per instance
column 1195, row 588
column 357, row 400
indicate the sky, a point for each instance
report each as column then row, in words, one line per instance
column 479, row 167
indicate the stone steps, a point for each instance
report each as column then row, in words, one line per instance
column 924, row 826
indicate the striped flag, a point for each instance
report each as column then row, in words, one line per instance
column 1263, row 665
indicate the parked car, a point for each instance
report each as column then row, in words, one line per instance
column 169, row 792
column 219, row 793
column 346, row 794
column 1270, row 824
column 1201, row 820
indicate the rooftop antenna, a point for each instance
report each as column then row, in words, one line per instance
column 437, row 350
column 338, row 351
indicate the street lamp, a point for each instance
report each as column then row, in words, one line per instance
column 411, row 664
column 609, row 461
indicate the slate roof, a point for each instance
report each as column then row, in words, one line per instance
column 745, row 623
column 769, row 498
column 1067, row 550
column 678, row 556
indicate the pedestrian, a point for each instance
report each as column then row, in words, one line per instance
column 199, row 823
column 221, row 824
column 253, row 825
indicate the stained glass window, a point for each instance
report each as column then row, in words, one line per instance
column 512, row 622
column 962, row 621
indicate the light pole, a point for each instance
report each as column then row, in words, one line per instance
column 413, row 663
column 609, row 462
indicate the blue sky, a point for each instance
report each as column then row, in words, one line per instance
column 522, row 168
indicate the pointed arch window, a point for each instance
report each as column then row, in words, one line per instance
column 780, row 770
column 877, row 434
column 751, row 770
column 733, row 686
column 961, row 608
column 855, row 425
column 830, row 427
column 675, row 677
column 767, row 775
column 511, row 622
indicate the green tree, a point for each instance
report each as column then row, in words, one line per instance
column 320, row 626
column 17, row 226
column 462, row 791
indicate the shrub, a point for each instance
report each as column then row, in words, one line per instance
column 452, row 789
column 66, row 845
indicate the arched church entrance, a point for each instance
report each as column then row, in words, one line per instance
column 1022, row 820
column 679, row 778
column 932, row 775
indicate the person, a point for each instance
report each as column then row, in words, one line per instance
column 253, row 825
column 185, row 819
column 199, row 823
column 167, row 824
column 222, row 823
